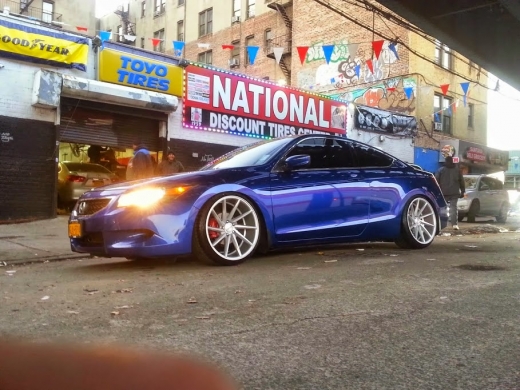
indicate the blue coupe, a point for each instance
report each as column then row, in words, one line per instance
column 296, row 191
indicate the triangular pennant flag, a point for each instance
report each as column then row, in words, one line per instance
column 228, row 47
column 378, row 46
column 332, row 80
column 357, row 69
column 370, row 66
column 436, row 117
column 252, row 51
column 409, row 92
column 449, row 110
column 203, row 45
column 277, row 51
column 81, row 28
column 393, row 48
column 465, row 100
column 130, row 38
column 302, row 52
column 156, row 41
column 178, row 46
column 352, row 50
column 104, row 36
column 444, row 88
column 465, row 87
column 391, row 89
column 327, row 51
column 455, row 105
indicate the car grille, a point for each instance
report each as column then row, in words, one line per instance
column 91, row 206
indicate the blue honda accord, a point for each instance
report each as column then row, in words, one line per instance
column 295, row 191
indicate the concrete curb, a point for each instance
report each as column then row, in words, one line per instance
column 43, row 259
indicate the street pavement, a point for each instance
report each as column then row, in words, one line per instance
column 361, row 316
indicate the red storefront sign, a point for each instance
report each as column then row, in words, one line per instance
column 232, row 103
column 475, row 154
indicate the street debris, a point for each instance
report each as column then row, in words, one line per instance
column 446, row 234
column 252, row 300
column 10, row 273
column 125, row 290
column 45, row 298
column 393, row 255
column 123, row 307
column 360, row 250
column 444, row 298
column 486, row 229
column 320, row 253
column 312, row 286
column 471, row 246
column 72, row 312
column 303, row 268
column 203, row 318
column 330, row 261
column 431, row 259
column 3, row 264
column 238, row 291
column 114, row 313
column 192, row 300
column 91, row 291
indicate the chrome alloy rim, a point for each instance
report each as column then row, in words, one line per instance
column 422, row 221
column 232, row 228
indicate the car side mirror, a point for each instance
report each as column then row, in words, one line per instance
column 298, row 161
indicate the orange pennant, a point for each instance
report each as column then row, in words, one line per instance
column 444, row 88
column 370, row 66
column 156, row 41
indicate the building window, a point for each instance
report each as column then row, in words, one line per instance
column 250, row 8
column 120, row 37
column 268, row 40
column 206, row 57
column 143, row 9
column 47, row 12
column 159, row 35
column 126, row 8
column 236, row 9
column 443, row 55
column 180, row 2
column 206, row 22
column 441, row 102
column 249, row 42
column 142, row 43
column 235, row 54
column 180, row 30
column 160, row 6
column 471, row 115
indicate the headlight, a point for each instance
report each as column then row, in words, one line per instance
column 141, row 198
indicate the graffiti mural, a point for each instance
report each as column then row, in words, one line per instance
column 379, row 97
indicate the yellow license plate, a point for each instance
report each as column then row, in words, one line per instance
column 75, row 229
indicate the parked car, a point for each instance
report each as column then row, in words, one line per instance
column 485, row 196
column 301, row 190
column 74, row 178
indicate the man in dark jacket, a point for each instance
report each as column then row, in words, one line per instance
column 141, row 165
column 452, row 186
column 170, row 166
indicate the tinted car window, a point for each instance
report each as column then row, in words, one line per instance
column 325, row 153
column 496, row 184
column 250, row 155
column 82, row 167
column 367, row 156
column 486, row 184
column 470, row 182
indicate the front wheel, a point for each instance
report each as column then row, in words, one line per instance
column 502, row 216
column 418, row 224
column 227, row 230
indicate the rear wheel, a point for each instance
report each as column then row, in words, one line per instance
column 502, row 216
column 474, row 209
column 227, row 231
column 418, row 224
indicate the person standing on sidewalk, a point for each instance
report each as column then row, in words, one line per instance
column 140, row 165
column 452, row 185
column 170, row 166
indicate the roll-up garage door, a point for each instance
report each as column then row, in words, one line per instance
column 92, row 123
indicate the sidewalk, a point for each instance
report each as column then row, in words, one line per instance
column 36, row 242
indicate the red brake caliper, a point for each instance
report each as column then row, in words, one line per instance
column 214, row 224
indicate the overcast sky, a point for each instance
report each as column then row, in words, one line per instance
column 104, row 7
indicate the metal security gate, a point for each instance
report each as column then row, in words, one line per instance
column 91, row 123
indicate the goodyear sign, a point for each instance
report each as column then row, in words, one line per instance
column 42, row 46
column 135, row 71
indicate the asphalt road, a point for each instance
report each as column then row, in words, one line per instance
column 368, row 316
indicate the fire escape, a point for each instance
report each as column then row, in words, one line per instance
column 127, row 25
column 285, row 40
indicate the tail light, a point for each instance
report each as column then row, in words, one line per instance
column 76, row 178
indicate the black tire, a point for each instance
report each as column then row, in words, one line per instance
column 474, row 209
column 502, row 216
column 228, row 234
column 409, row 239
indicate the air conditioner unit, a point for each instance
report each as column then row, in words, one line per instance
column 437, row 126
column 235, row 19
column 234, row 62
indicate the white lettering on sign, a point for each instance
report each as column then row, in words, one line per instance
column 6, row 137
column 283, row 104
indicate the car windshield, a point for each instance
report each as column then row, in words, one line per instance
column 470, row 182
column 248, row 156
column 82, row 167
